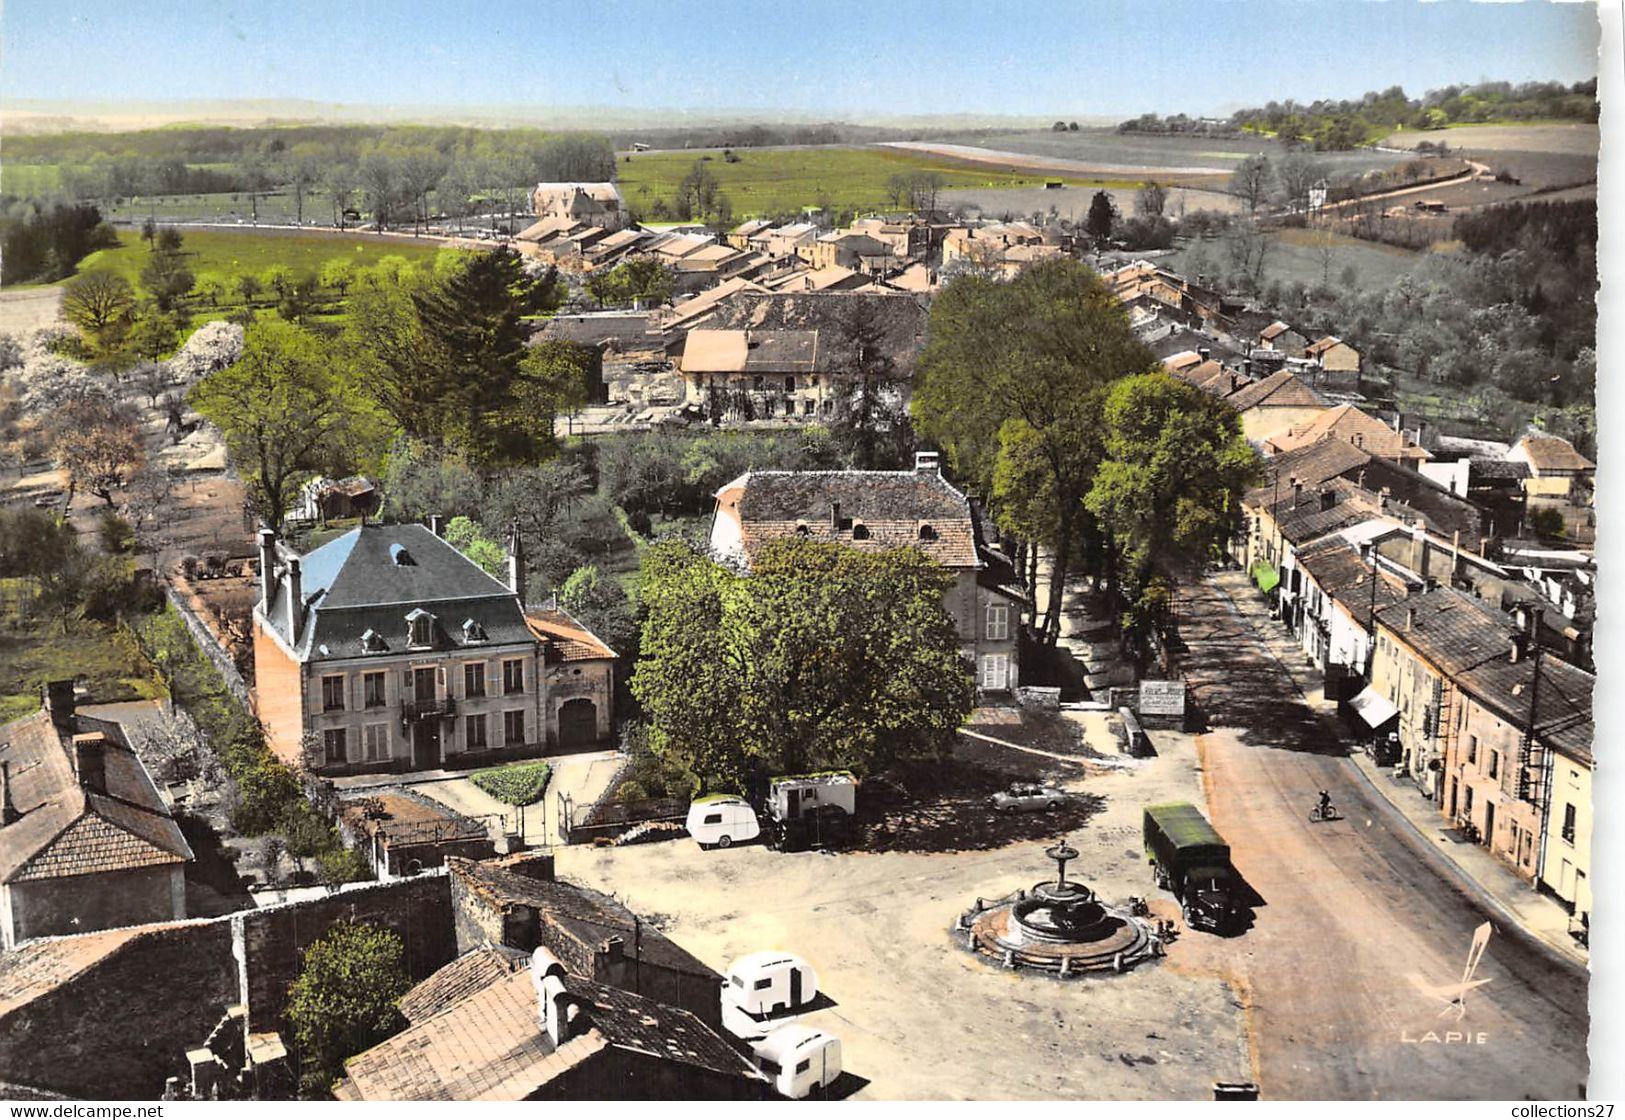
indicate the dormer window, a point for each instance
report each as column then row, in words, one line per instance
column 373, row 642
column 928, row 533
column 860, row 531
column 802, row 530
column 473, row 632
column 401, row 557
column 419, row 629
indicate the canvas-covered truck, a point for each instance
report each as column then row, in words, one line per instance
column 1192, row 861
column 811, row 810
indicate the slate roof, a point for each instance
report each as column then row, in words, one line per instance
column 1563, row 719
column 1454, row 631
column 1497, row 470
column 893, row 506
column 577, row 920
column 899, row 319
column 66, row 829
column 566, row 639
column 491, row 1045
column 356, row 583
column 1444, row 512
column 632, row 330
column 1337, row 568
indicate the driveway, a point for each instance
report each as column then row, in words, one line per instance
column 1358, row 917
column 582, row 776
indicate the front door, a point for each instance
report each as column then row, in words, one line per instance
column 1489, row 824
column 795, row 987
column 578, row 722
column 426, row 744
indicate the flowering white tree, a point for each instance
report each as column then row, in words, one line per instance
column 212, row 347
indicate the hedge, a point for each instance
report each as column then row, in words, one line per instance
column 523, row 784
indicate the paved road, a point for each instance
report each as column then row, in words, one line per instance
column 1357, row 917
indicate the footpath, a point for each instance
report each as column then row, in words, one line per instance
column 1480, row 872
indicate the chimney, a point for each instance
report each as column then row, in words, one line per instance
column 1297, row 489
column 8, row 808
column 1455, row 555
column 1204, row 353
column 267, row 567
column 59, row 701
column 437, row 525
column 1382, row 499
column 90, row 761
column 1410, row 618
column 516, row 562
column 1419, row 548
column 296, row 600
column 1520, row 648
column 556, row 1008
column 926, row 464
column 613, row 948
column 1328, row 499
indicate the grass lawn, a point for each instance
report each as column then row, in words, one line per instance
column 110, row 665
column 777, row 180
column 228, row 252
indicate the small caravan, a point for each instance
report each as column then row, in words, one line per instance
column 722, row 821
column 770, row 983
column 798, row 1059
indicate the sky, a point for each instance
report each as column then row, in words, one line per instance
column 824, row 58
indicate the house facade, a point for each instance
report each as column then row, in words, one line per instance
column 86, row 841
column 387, row 649
column 878, row 510
column 592, row 204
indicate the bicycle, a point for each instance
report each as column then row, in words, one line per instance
column 1326, row 813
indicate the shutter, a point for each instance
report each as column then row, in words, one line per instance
column 440, row 680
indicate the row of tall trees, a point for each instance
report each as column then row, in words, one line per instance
column 1043, row 398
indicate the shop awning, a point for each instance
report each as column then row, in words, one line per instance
column 1373, row 707
column 1265, row 575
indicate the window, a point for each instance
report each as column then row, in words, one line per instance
column 474, row 678
column 1495, row 764
column 764, row 984
column 333, row 746
column 998, row 622
column 1472, row 750
column 928, row 533
column 860, row 532
column 513, row 728
column 332, row 694
column 712, row 818
column 420, row 629
column 474, row 733
column 790, row 383
column 373, row 642
column 1568, row 824
column 996, row 671
column 372, row 690
column 513, row 677
column 377, row 742
column 804, row 1065
column 473, row 632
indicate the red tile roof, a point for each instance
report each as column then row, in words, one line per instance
column 1550, row 453
column 566, row 638
column 66, row 829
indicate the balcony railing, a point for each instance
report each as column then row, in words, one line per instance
column 413, row 710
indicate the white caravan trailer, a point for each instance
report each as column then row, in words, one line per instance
column 798, row 1059
column 770, row 983
column 723, row 820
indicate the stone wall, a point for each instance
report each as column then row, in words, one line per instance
column 81, row 903
column 117, row 1029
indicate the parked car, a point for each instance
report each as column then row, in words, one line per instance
column 1026, row 796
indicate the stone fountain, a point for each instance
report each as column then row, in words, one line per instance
column 1060, row 927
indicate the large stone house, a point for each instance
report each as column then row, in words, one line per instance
column 877, row 510
column 387, row 649
column 592, row 204
column 86, row 842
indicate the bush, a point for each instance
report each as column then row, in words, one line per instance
column 523, row 784
column 1547, row 522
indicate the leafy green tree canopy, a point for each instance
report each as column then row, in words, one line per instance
column 822, row 656
column 345, row 999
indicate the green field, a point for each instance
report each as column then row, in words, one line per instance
column 228, row 252
column 769, row 181
column 1296, row 255
column 35, row 650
